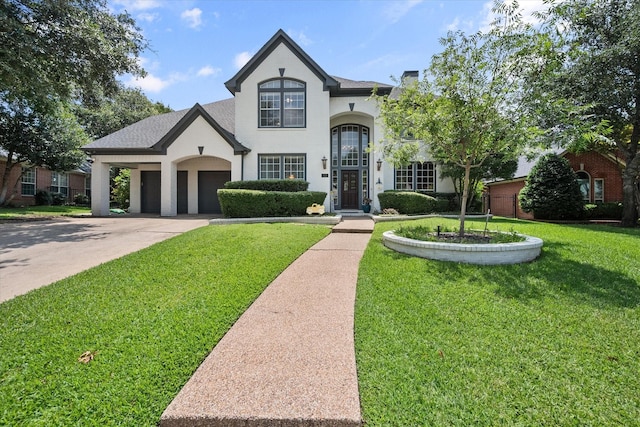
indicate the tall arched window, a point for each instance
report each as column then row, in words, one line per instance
column 584, row 180
column 282, row 103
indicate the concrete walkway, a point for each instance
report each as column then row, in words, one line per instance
column 289, row 360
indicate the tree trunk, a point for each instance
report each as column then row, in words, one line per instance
column 465, row 196
column 630, row 176
column 4, row 188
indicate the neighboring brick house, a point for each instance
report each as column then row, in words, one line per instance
column 287, row 118
column 599, row 176
column 29, row 179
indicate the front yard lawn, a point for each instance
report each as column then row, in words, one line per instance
column 552, row 342
column 149, row 319
column 31, row 212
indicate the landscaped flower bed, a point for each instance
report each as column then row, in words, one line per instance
column 510, row 252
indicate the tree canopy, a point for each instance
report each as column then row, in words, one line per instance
column 54, row 50
column 468, row 107
column 108, row 114
column 54, row 54
column 591, row 49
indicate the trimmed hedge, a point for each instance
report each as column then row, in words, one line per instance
column 409, row 202
column 611, row 210
column 257, row 204
column 288, row 185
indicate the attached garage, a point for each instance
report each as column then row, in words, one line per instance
column 150, row 192
column 208, row 184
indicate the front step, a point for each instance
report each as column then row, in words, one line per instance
column 360, row 224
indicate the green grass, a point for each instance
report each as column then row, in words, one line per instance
column 150, row 317
column 552, row 342
column 41, row 211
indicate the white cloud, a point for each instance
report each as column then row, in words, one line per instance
column 208, row 70
column 397, row 9
column 148, row 17
column 193, row 17
column 300, row 37
column 133, row 5
column 148, row 83
column 241, row 59
column 155, row 84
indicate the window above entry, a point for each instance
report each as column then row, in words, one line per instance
column 282, row 104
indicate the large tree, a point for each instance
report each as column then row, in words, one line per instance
column 468, row 108
column 111, row 113
column 52, row 140
column 54, row 50
column 53, row 53
column 592, row 48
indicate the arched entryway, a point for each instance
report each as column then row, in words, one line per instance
column 349, row 165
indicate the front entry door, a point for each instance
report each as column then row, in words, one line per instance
column 349, row 196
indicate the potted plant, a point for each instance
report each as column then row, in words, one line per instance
column 366, row 205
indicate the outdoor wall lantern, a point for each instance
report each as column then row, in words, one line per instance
column 324, row 162
column 379, row 163
column 201, row 149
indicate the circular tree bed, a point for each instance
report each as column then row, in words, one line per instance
column 470, row 253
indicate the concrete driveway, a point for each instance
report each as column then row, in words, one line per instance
column 35, row 254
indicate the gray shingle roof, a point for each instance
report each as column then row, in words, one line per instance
column 146, row 133
column 359, row 84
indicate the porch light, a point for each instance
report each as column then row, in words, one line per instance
column 201, row 149
column 379, row 163
column 324, row 162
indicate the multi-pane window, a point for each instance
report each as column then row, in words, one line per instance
column 269, row 167
column 294, row 167
column 598, row 190
column 283, row 166
column 404, row 178
column 350, row 148
column 585, row 187
column 28, row 181
column 425, row 176
column 419, row 176
column 60, row 183
column 282, row 103
column 87, row 185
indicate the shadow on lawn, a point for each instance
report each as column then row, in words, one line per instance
column 550, row 275
column 553, row 274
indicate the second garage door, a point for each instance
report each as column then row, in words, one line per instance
column 208, row 184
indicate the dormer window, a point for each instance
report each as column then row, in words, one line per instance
column 282, row 104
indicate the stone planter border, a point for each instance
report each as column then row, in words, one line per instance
column 483, row 254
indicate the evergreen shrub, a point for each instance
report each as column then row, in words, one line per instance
column 552, row 190
column 257, row 204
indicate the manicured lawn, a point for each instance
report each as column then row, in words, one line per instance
column 150, row 318
column 42, row 211
column 553, row 342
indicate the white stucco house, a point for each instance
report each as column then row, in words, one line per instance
column 287, row 118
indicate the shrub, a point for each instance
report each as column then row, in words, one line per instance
column 81, row 199
column 256, row 204
column 121, row 188
column 58, row 199
column 43, row 198
column 552, row 190
column 287, row 185
column 612, row 210
column 407, row 202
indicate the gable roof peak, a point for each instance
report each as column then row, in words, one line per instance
column 280, row 37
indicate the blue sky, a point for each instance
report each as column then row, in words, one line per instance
column 197, row 45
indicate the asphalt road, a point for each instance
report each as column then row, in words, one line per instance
column 38, row 253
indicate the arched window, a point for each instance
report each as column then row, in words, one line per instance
column 282, row 103
column 585, row 185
